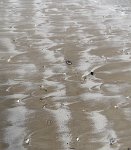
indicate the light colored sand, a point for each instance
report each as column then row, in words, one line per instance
column 46, row 104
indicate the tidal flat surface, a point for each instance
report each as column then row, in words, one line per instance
column 65, row 74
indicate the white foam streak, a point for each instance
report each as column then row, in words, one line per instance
column 62, row 116
column 101, row 126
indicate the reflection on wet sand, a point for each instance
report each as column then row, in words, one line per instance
column 65, row 75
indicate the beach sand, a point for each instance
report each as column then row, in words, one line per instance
column 65, row 74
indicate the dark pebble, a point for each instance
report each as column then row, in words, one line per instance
column 92, row 73
column 129, row 149
column 68, row 62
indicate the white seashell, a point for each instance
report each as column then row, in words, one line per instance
column 18, row 101
column 77, row 139
column 27, row 141
column 9, row 59
column 116, row 106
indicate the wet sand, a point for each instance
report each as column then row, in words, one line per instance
column 47, row 104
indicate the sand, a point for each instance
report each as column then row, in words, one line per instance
column 65, row 74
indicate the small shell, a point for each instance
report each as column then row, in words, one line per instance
column 43, row 88
column 116, row 106
column 77, row 139
column 127, row 97
column 27, row 141
column 9, row 59
column 113, row 141
column 68, row 62
column 18, row 101
column 8, row 89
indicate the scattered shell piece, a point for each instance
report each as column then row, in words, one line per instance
column 9, row 59
column 116, row 106
column 41, row 98
column 43, row 88
column 128, row 97
column 84, row 110
column 18, row 101
column 66, row 76
column 8, row 89
column 77, row 139
column 113, row 141
column 84, row 78
column 27, row 141
column 68, row 62
column 44, row 106
column 49, row 122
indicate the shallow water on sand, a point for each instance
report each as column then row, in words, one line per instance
column 65, row 74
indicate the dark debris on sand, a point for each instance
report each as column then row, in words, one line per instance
column 68, row 62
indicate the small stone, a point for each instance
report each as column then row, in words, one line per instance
column 68, row 62
column 128, row 148
column 92, row 73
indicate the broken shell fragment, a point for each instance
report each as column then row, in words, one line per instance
column 27, row 141
column 116, row 106
column 68, row 62
column 113, row 141
column 77, row 139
